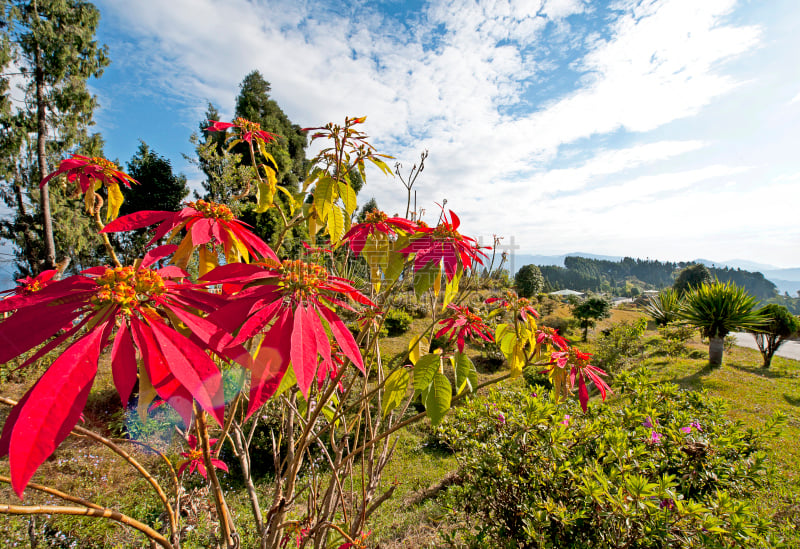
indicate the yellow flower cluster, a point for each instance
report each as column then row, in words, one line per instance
column 212, row 210
column 127, row 288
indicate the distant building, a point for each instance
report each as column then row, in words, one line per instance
column 567, row 293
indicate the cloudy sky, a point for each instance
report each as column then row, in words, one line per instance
column 666, row 129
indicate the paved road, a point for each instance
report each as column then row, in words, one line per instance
column 790, row 349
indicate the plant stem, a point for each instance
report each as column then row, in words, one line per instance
column 100, row 512
column 225, row 522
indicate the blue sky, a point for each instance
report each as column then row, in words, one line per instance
column 657, row 128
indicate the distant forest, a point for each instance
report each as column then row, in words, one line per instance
column 630, row 276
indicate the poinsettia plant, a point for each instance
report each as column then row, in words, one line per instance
column 226, row 328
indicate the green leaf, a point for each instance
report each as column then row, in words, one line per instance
column 424, row 371
column 437, row 398
column 508, row 343
column 348, row 196
column 289, row 380
column 500, row 331
column 394, row 267
column 424, row 278
column 466, row 376
column 395, row 389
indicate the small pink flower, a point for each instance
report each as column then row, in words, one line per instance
column 649, row 422
column 501, row 418
column 693, row 425
column 566, row 420
column 655, row 438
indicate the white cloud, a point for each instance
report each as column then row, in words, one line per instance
column 457, row 81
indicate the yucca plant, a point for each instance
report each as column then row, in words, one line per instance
column 664, row 307
column 717, row 309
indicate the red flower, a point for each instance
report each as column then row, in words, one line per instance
column 91, row 174
column 204, row 222
column 577, row 365
column 463, row 324
column 546, row 336
column 194, row 458
column 376, row 222
column 246, row 128
column 520, row 306
column 31, row 284
column 132, row 309
column 295, row 299
column 444, row 245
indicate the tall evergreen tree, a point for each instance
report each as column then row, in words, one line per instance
column 53, row 49
column 227, row 172
column 289, row 149
column 159, row 189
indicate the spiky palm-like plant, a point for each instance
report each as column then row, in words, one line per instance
column 664, row 307
column 717, row 309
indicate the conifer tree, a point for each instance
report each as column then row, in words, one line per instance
column 52, row 47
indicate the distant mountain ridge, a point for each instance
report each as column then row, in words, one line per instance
column 787, row 280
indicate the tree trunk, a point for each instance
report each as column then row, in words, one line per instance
column 715, row 349
column 41, row 152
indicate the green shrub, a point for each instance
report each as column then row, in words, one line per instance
column 397, row 322
column 675, row 338
column 660, row 468
column 563, row 325
column 619, row 345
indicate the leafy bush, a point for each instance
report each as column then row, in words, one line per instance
column 528, row 281
column 563, row 325
column 675, row 339
column 397, row 322
column 664, row 468
column 619, row 345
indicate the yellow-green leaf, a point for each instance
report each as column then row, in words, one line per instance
column 115, row 200
column 424, row 371
column 466, row 376
column 348, row 196
column 336, row 224
column 451, row 289
column 147, row 394
column 324, row 197
column 395, row 389
column 418, row 348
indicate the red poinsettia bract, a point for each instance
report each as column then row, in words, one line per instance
column 576, row 363
column 444, row 245
column 248, row 130
column 376, row 222
column 546, row 336
column 30, row 284
column 204, row 222
column 89, row 171
column 131, row 309
column 90, row 174
column 294, row 301
column 194, row 458
column 519, row 306
column 463, row 324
